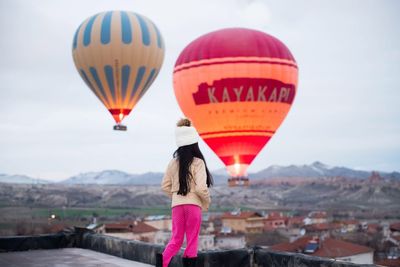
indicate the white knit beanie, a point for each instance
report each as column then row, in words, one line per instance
column 185, row 134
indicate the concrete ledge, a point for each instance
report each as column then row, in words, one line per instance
column 127, row 249
column 268, row 258
column 51, row 241
column 225, row 258
column 65, row 257
column 145, row 252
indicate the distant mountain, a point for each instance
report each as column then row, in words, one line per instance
column 220, row 172
column 21, row 179
column 118, row 177
column 219, row 178
column 114, row 177
column 343, row 194
column 317, row 170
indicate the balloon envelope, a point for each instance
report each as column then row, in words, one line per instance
column 118, row 54
column 237, row 85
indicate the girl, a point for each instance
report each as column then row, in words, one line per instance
column 186, row 181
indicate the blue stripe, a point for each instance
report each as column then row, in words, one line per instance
column 110, row 80
column 75, row 42
column 126, row 70
column 88, row 31
column 139, row 76
column 96, row 78
column 106, row 28
column 145, row 30
column 148, row 82
column 86, row 79
column 126, row 30
column 159, row 38
column 153, row 71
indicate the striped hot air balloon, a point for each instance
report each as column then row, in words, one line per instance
column 118, row 54
column 237, row 85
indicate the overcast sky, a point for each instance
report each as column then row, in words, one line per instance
column 346, row 111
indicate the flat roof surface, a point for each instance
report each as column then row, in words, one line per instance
column 64, row 257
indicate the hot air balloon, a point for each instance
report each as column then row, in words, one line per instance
column 118, row 54
column 237, row 85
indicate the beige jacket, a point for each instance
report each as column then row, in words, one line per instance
column 198, row 194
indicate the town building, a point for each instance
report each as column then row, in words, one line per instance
column 161, row 222
column 295, row 221
column 206, row 241
column 392, row 241
column 388, row 262
column 98, row 228
column 230, row 240
column 373, row 228
column 162, row 237
column 274, row 220
column 322, row 229
column 328, row 248
column 392, row 235
column 395, row 229
column 135, row 230
column 243, row 222
column 349, row 226
column 207, row 224
column 294, row 228
column 316, row 217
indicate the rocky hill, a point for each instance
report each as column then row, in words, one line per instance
column 335, row 193
column 315, row 170
column 20, row 179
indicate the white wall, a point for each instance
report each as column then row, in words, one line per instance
column 230, row 242
column 365, row 258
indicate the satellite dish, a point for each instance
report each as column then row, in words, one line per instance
column 302, row 232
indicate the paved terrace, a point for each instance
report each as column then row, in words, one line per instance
column 64, row 257
column 83, row 250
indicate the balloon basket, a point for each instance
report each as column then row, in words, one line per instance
column 238, row 181
column 120, row 127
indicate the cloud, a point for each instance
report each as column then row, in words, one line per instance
column 255, row 14
column 345, row 112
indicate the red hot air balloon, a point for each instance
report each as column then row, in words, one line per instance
column 237, row 85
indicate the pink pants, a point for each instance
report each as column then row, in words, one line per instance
column 186, row 219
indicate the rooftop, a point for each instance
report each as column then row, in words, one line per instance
column 350, row 222
column 241, row 215
column 329, row 247
column 85, row 248
column 318, row 215
column 118, row 226
column 296, row 220
column 389, row 262
column 135, row 227
column 141, row 227
column 64, row 257
column 395, row 226
column 321, row 227
column 275, row 216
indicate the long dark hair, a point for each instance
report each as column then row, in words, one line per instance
column 185, row 155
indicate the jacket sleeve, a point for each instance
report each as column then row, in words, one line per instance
column 201, row 188
column 166, row 184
